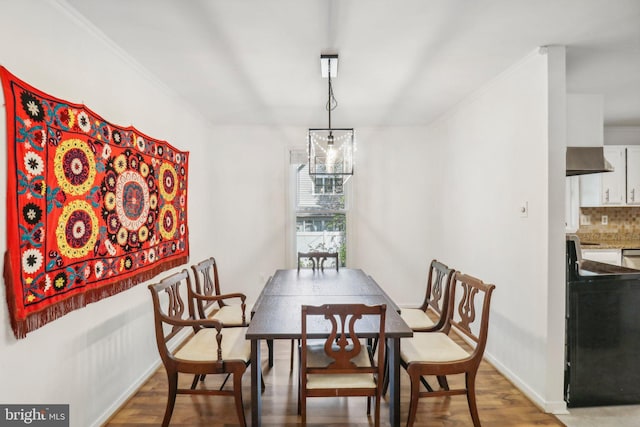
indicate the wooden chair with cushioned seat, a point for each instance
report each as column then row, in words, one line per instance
column 211, row 349
column 436, row 353
column 318, row 259
column 436, row 303
column 436, row 300
column 208, row 290
column 340, row 364
column 317, row 262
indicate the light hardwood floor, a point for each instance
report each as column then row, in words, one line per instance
column 499, row 403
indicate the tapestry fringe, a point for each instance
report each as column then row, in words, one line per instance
column 7, row 273
column 21, row 327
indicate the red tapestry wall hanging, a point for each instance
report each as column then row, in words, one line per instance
column 92, row 208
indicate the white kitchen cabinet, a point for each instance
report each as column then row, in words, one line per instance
column 607, row 188
column 613, row 183
column 608, row 256
column 633, row 175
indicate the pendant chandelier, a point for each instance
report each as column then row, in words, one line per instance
column 330, row 149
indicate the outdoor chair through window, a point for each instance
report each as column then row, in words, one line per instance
column 318, row 259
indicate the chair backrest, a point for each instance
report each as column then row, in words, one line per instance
column 318, row 258
column 469, row 310
column 206, row 275
column 438, row 289
column 343, row 342
column 170, row 312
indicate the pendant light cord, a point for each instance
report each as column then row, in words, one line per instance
column 332, row 102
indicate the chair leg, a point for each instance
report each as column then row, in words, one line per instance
column 299, row 400
column 442, row 381
column 426, row 384
column 368, row 405
column 470, row 379
column 196, row 378
column 270, row 347
column 377, row 412
column 385, row 380
column 225, row 381
column 172, row 379
column 237, row 394
column 415, row 395
column 299, row 383
column 302, row 407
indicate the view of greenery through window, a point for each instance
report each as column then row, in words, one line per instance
column 320, row 214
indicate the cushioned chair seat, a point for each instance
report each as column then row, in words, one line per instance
column 431, row 347
column 203, row 347
column 416, row 318
column 231, row 315
column 340, row 381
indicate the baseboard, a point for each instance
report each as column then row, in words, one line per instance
column 111, row 410
column 551, row 407
column 126, row 395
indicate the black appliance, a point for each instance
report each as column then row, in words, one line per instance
column 602, row 347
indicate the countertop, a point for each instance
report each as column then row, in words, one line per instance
column 593, row 268
column 609, row 240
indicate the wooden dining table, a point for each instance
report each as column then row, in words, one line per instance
column 277, row 315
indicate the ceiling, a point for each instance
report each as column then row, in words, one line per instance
column 402, row 62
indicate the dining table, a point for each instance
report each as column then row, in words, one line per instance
column 276, row 314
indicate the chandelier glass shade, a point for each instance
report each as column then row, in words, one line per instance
column 331, row 149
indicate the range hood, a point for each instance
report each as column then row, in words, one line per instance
column 586, row 160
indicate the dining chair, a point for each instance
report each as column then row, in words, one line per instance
column 435, row 301
column 318, row 259
column 211, row 349
column 207, row 288
column 437, row 353
column 431, row 315
column 317, row 263
column 340, row 364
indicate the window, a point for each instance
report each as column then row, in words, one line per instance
column 320, row 213
column 328, row 185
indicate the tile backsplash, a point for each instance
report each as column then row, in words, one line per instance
column 619, row 220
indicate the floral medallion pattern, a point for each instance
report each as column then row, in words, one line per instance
column 92, row 209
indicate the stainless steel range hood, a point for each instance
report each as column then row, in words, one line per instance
column 586, row 160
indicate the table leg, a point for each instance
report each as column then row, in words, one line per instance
column 393, row 352
column 256, row 380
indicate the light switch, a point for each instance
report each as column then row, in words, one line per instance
column 585, row 219
column 605, row 220
column 524, row 209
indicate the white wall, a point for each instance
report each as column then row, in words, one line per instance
column 248, row 180
column 622, row 135
column 506, row 147
column 453, row 191
column 396, row 209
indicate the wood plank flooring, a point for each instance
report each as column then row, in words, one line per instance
column 500, row 404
